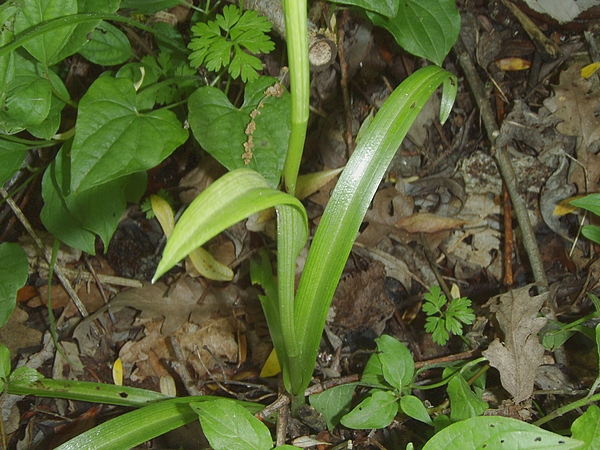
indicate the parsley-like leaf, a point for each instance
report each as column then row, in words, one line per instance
column 226, row 41
column 446, row 318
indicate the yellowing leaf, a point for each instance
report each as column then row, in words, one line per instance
column 117, row 372
column 590, row 69
column 310, row 183
column 512, row 64
column 209, row 267
column 564, row 207
column 167, row 385
column 164, row 213
column 271, row 367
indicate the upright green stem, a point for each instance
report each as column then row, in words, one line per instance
column 297, row 47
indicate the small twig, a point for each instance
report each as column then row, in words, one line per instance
column 450, row 358
column 179, row 366
column 46, row 254
column 508, row 239
column 271, row 409
column 87, row 277
column 283, row 418
column 432, row 265
column 506, row 169
column 333, row 382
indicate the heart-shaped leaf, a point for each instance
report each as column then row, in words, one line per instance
column 221, row 128
column 27, row 98
column 228, row 425
column 425, row 28
column 45, row 48
column 498, row 432
column 75, row 219
column 387, row 8
column 115, row 139
column 108, row 46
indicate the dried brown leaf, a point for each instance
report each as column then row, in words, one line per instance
column 428, row 223
column 388, row 206
column 575, row 104
column 360, row 302
column 518, row 358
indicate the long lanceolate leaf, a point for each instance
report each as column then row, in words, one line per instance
column 349, row 202
column 141, row 425
column 229, row 200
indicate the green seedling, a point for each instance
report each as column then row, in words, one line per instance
column 590, row 202
column 446, row 318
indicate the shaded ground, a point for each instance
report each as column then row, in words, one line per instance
column 439, row 216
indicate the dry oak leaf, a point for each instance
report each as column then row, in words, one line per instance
column 576, row 106
column 518, row 358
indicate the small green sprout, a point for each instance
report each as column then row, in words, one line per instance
column 146, row 205
column 446, row 318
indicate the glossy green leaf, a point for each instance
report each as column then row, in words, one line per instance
column 334, row 403
column 413, row 407
column 464, row 402
column 137, row 427
column 82, row 31
column 50, row 125
column 27, row 101
column 554, row 334
column 7, row 18
column 387, row 8
column 590, row 202
column 425, row 28
column 4, row 364
column 108, row 46
column 148, row 6
column 396, row 361
column 373, row 374
column 45, row 48
column 25, row 375
column 220, row 127
column 348, row 205
column 229, row 426
column 591, row 232
column 115, row 139
column 498, row 432
column 376, row 411
column 76, row 218
column 586, row 428
column 14, row 270
column 11, row 158
column 230, row 199
column 261, row 273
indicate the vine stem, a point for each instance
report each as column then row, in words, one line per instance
column 565, row 409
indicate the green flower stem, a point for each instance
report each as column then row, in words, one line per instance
column 297, row 47
column 349, row 203
column 565, row 409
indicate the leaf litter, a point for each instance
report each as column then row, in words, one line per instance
column 144, row 323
